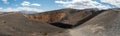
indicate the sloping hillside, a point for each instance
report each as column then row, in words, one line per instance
column 63, row 22
column 16, row 24
column 105, row 24
column 69, row 17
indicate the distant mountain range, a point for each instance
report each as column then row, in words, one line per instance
column 35, row 12
column 24, row 12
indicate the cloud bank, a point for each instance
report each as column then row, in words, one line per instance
column 21, row 9
column 25, row 7
column 26, row 3
column 83, row 4
column 35, row 4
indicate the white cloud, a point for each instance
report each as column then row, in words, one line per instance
column 83, row 4
column 113, row 2
column 1, row 9
column 35, row 4
column 29, row 9
column 21, row 9
column 26, row 3
column 5, row 1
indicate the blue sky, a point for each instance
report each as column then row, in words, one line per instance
column 44, row 4
column 47, row 5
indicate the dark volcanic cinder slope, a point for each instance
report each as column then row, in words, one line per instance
column 87, row 22
column 16, row 24
column 105, row 24
column 65, row 18
column 59, row 15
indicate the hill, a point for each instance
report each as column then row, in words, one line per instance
column 104, row 24
column 16, row 24
column 63, row 22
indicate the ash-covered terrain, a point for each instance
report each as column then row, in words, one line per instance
column 62, row 22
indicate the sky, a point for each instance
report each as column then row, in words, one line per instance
column 48, row 5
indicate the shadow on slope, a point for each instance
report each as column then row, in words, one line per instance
column 4, row 35
column 68, row 26
column 62, row 25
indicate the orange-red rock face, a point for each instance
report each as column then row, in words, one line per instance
column 47, row 17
